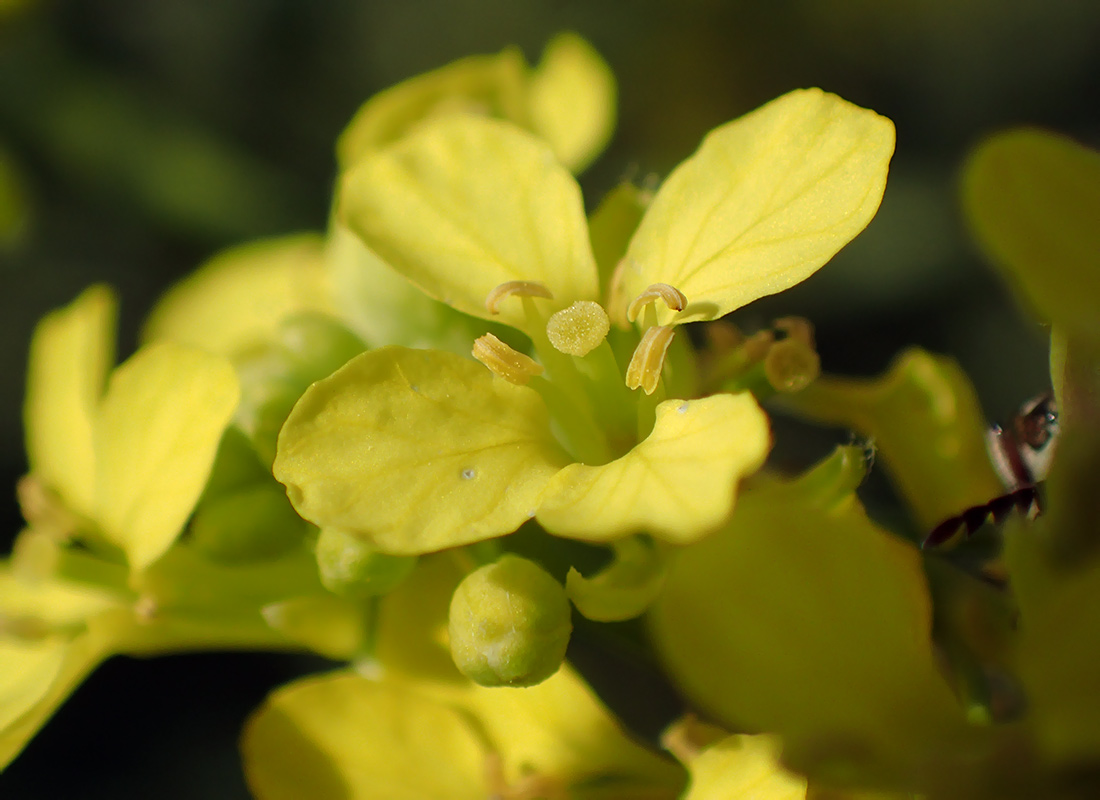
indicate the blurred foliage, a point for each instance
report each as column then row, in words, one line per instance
column 142, row 137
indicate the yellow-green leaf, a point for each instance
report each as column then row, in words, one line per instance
column 417, row 451
column 491, row 85
column 571, row 100
column 72, row 350
column 743, row 767
column 803, row 618
column 765, row 201
column 343, row 737
column 677, row 485
column 239, row 297
column 156, row 435
column 465, row 204
column 1033, row 199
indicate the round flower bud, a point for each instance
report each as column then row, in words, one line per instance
column 254, row 523
column 509, row 624
column 352, row 568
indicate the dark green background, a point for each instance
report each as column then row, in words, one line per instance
column 149, row 134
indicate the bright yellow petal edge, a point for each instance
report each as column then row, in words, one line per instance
column 766, row 200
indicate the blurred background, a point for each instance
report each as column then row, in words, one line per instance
column 145, row 136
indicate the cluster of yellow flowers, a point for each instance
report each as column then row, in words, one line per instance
column 304, row 455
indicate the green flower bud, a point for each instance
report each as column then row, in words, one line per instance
column 352, row 568
column 273, row 376
column 255, row 523
column 509, row 624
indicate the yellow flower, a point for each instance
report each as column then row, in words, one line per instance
column 417, row 451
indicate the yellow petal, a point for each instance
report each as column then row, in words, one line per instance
column 156, row 435
column 559, row 729
column 571, row 100
column 383, row 307
column 343, row 737
column 803, row 618
column 677, row 485
column 70, row 354
column 466, row 204
column 491, row 85
column 416, row 451
column 765, row 201
column 1033, row 199
column 743, row 767
column 37, row 676
column 239, row 297
column 52, row 602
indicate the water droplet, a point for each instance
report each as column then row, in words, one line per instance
column 683, row 409
column 469, row 474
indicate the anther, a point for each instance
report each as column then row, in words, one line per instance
column 502, row 360
column 649, row 359
column 672, row 297
column 579, row 329
column 516, row 288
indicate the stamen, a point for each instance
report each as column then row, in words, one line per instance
column 649, row 359
column 796, row 328
column 504, row 361
column 579, row 329
column 516, row 288
column 689, row 736
column 790, row 365
column 672, row 297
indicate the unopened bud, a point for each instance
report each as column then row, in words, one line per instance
column 256, row 523
column 352, row 568
column 509, row 624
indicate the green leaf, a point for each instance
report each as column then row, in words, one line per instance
column 765, row 201
column 803, row 618
column 156, row 435
column 71, row 352
column 1032, row 199
column 343, row 737
column 571, row 100
column 239, row 297
column 417, row 451
column 678, row 485
column 465, row 204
